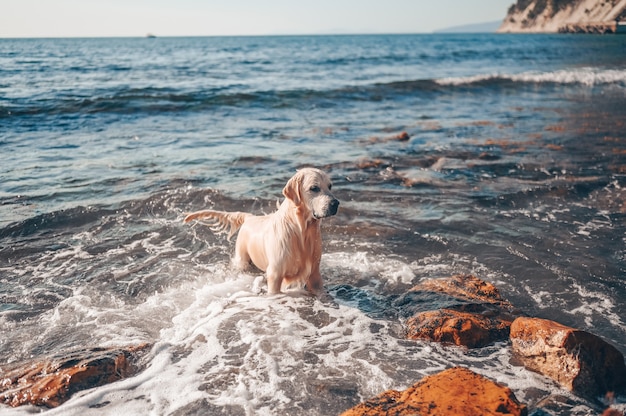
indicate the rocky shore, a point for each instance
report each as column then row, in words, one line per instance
column 557, row 16
column 50, row 381
column 476, row 315
column 471, row 314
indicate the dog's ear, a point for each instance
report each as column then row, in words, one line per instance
column 292, row 189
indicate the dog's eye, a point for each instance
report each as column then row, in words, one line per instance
column 315, row 189
column 330, row 186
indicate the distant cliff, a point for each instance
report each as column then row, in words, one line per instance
column 564, row 16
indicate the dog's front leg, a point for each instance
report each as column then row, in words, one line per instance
column 314, row 283
column 274, row 281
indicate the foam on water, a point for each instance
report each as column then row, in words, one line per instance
column 596, row 304
column 523, row 189
column 222, row 343
column 254, row 348
column 582, row 76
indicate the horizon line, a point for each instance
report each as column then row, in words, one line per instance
column 154, row 35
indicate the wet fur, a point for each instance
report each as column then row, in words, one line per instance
column 286, row 244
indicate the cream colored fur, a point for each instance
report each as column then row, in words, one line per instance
column 286, row 244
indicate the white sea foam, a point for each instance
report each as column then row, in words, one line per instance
column 218, row 343
column 236, row 348
column 581, row 76
column 596, row 305
column 389, row 270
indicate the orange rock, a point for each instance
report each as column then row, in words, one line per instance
column 459, row 328
column 612, row 412
column 369, row 164
column 53, row 380
column 465, row 286
column 578, row 360
column 456, row 391
column 466, row 312
column 401, row 137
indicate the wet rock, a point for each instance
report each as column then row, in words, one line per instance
column 51, row 381
column 612, row 412
column 399, row 137
column 488, row 156
column 365, row 164
column 465, row 286
column 559, row 404
column 456, row 391
column 462, row 310
column 460, row 292
column 459, row 328
column 578, row 360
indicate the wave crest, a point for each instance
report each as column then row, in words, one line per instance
column 584, row 76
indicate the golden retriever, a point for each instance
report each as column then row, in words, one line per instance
column 286, row 244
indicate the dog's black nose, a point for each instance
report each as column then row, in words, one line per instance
column 334, row 204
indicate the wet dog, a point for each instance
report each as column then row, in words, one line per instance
column 286, row 244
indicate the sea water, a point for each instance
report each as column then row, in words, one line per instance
column 514, row 170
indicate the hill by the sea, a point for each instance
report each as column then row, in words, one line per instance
column 546, row 16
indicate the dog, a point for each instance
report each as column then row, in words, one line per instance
column 286, row 244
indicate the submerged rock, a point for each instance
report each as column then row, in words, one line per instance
column 456, row 391
column 51, row 381
column 578, row 360
column 399, row 137
column 465, row 286
column 460, row 328
column 462, row 310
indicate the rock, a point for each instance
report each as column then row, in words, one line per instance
column 584, row 16
column 459, row 328
column 462, row 310
column 51, row 381
column 467, row 287
column 400, row 137
column 456, row 391
column 364, row 164
column 578, row 360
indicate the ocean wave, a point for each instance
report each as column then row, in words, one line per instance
column 166, row 100
column 46, row 222
column 148, row 100
column 584, row 76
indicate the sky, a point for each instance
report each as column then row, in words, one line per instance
column 98, row 18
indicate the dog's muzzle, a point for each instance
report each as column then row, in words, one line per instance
column 332, row 207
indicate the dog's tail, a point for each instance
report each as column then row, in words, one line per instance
column 221, row 222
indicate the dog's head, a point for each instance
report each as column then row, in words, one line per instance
column 309, row 189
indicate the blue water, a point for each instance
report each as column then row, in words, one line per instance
column 514, row 170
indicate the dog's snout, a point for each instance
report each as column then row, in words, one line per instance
column 334, row 205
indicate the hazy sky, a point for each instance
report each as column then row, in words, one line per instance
column 68, row 18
